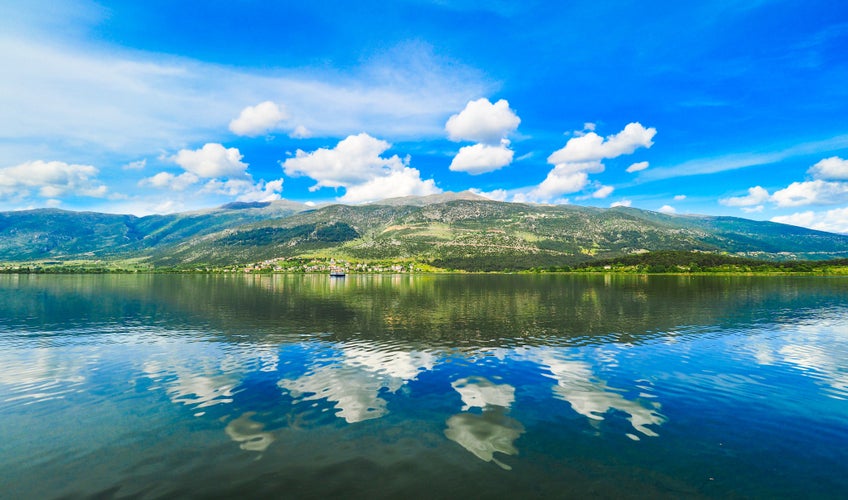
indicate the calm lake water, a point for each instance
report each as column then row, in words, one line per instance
column 498, row 386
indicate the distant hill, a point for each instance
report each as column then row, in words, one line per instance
column 452, row 230
column 62, row 234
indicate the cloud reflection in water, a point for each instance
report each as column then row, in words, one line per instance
column 353, row 380
column 249, row 433
column 576, row 384
column 490, row 432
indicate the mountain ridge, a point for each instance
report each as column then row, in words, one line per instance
column 450, row 230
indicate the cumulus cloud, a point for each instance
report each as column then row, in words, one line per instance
column 404, row 182
column 563, row 179
column 603, row 192
column 667, row 209
column 803, row 219
column 484, row 122
column 834, row 221
column 817, row 192
column 482, row 158
column 756, row 195
column 356, row 164
column 355, row 159
column 583, row 155
column 496, row 195
column 212, row 160
column 679, row 197
column 488, row 125
column 622, row 203
column 240, row 189
column 637, row 167
column 827, row 188
column 833, row 168
column 559, row 181
column 50, row 179
column 259, row 119
column 300, row 132
column 245, row 189
column 592, row 147
column 223, row 174
column 168, row 180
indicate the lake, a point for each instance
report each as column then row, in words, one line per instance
column 476, row 386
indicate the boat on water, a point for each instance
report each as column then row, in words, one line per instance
column 337, row 273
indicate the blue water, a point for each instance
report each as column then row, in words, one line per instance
column 443, row 386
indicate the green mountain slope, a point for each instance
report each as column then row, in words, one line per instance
column 62, row 234
column 46, row 233
column 452, row 230
column 474, row 234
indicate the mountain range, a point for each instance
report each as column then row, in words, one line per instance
column 450, row 230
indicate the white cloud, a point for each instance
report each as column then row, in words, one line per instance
column 355, row 159
column 679, row 197
column 558, row 182
column 744, row 160
column 212, row 160
column 588, row 167
column 603, row 192
column 622, row 203
column 816, row 192
column 356, row 164
column 245, row 189
column 828, row 188
column 482, row 121
column 170, row 181
column 223, row 170
column 563, row 179
column 496, row 195
column 300, row 132
column 136, row 165
column 834, row 221
column 833, row 168
column 482, row 158
column 592, row 147
column 259, row 119
column 78, row 98
column 667, row 209
column 637, row 167
column 756, row 195
column 487, row 124
column 582, row 156
column 51, row 179
column 803, row 219
column 405, row 182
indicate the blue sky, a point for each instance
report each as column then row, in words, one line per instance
column 713, row 107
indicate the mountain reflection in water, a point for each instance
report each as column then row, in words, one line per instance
column 380, row 386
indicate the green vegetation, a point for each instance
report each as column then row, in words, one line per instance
column 699, row 262
column 675, row 262
column 451, row 232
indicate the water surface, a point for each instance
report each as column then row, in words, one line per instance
column 446, row 385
